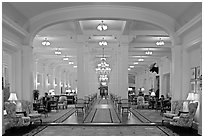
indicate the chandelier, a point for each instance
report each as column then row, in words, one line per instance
column 102, row 26
column 103, row 69
column 46, row 42
column 160, row 42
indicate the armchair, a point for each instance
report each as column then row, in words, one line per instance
column 141, row 103
column 62, row 102
column 185, row 120
column 125, row 104
column 13, row 119
column 80, row 104
column 176, row 107
column 34, row 115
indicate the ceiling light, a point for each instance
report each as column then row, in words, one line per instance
column 46, row 42
column 103, row 43
column 75, row 66
column 160, row 42
column 58, row 52
column 135, row 63
column 140, row 59
column 102, row 27
column 128, row 68
column 65, row 58
column 70, row 63
column 131, row 66
column 148, row 52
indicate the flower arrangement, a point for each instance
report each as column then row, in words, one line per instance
column 35, row 94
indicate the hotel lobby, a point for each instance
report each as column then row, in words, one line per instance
column 101, row 69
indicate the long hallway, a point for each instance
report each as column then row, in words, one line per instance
column 146, row 57
column 104, row 119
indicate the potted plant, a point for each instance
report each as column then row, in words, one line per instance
column 35, row 94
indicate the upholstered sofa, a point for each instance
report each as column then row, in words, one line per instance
column 28, row 108
column 11, row 119
column 21, row 117
column 178, row 116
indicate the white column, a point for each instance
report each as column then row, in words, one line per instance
column 185, row 74
column 80, row 72
column 123, row 71
column 86, row 76
column 161, row 79
column 113, row 83
column 176, row 76
column 200, row 100
column 27, row 76
column 18, row 73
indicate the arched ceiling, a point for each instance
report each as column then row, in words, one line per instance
column 139, row 35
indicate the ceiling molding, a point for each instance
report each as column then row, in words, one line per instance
column 14, row 26
column 10, row 45
column 149, row 32
column 45, row 19
column 190, row 24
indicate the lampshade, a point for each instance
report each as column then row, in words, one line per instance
column 190, row 96
column 142, row 89
column 12, row 97
column 196, row 97
column 52, row 93
column 153, row 94
column 5, row 113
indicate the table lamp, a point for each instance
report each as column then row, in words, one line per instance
column 191, row 97
column 153, row 94
column 13, row 97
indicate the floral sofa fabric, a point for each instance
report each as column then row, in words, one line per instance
column 28, row 108
column 185, row 120
column 13, row 119
column 175, row 108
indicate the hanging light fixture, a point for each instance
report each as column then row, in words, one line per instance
column 58, row 52
column 148, row 52
column 103, row 43
column 46, row 42
column 65, row 58
column 103, row 69
column 102, row 26
column 160, row 42
column 140, row 59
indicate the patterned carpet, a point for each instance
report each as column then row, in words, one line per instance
column 135, row 129
column 101, row 131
